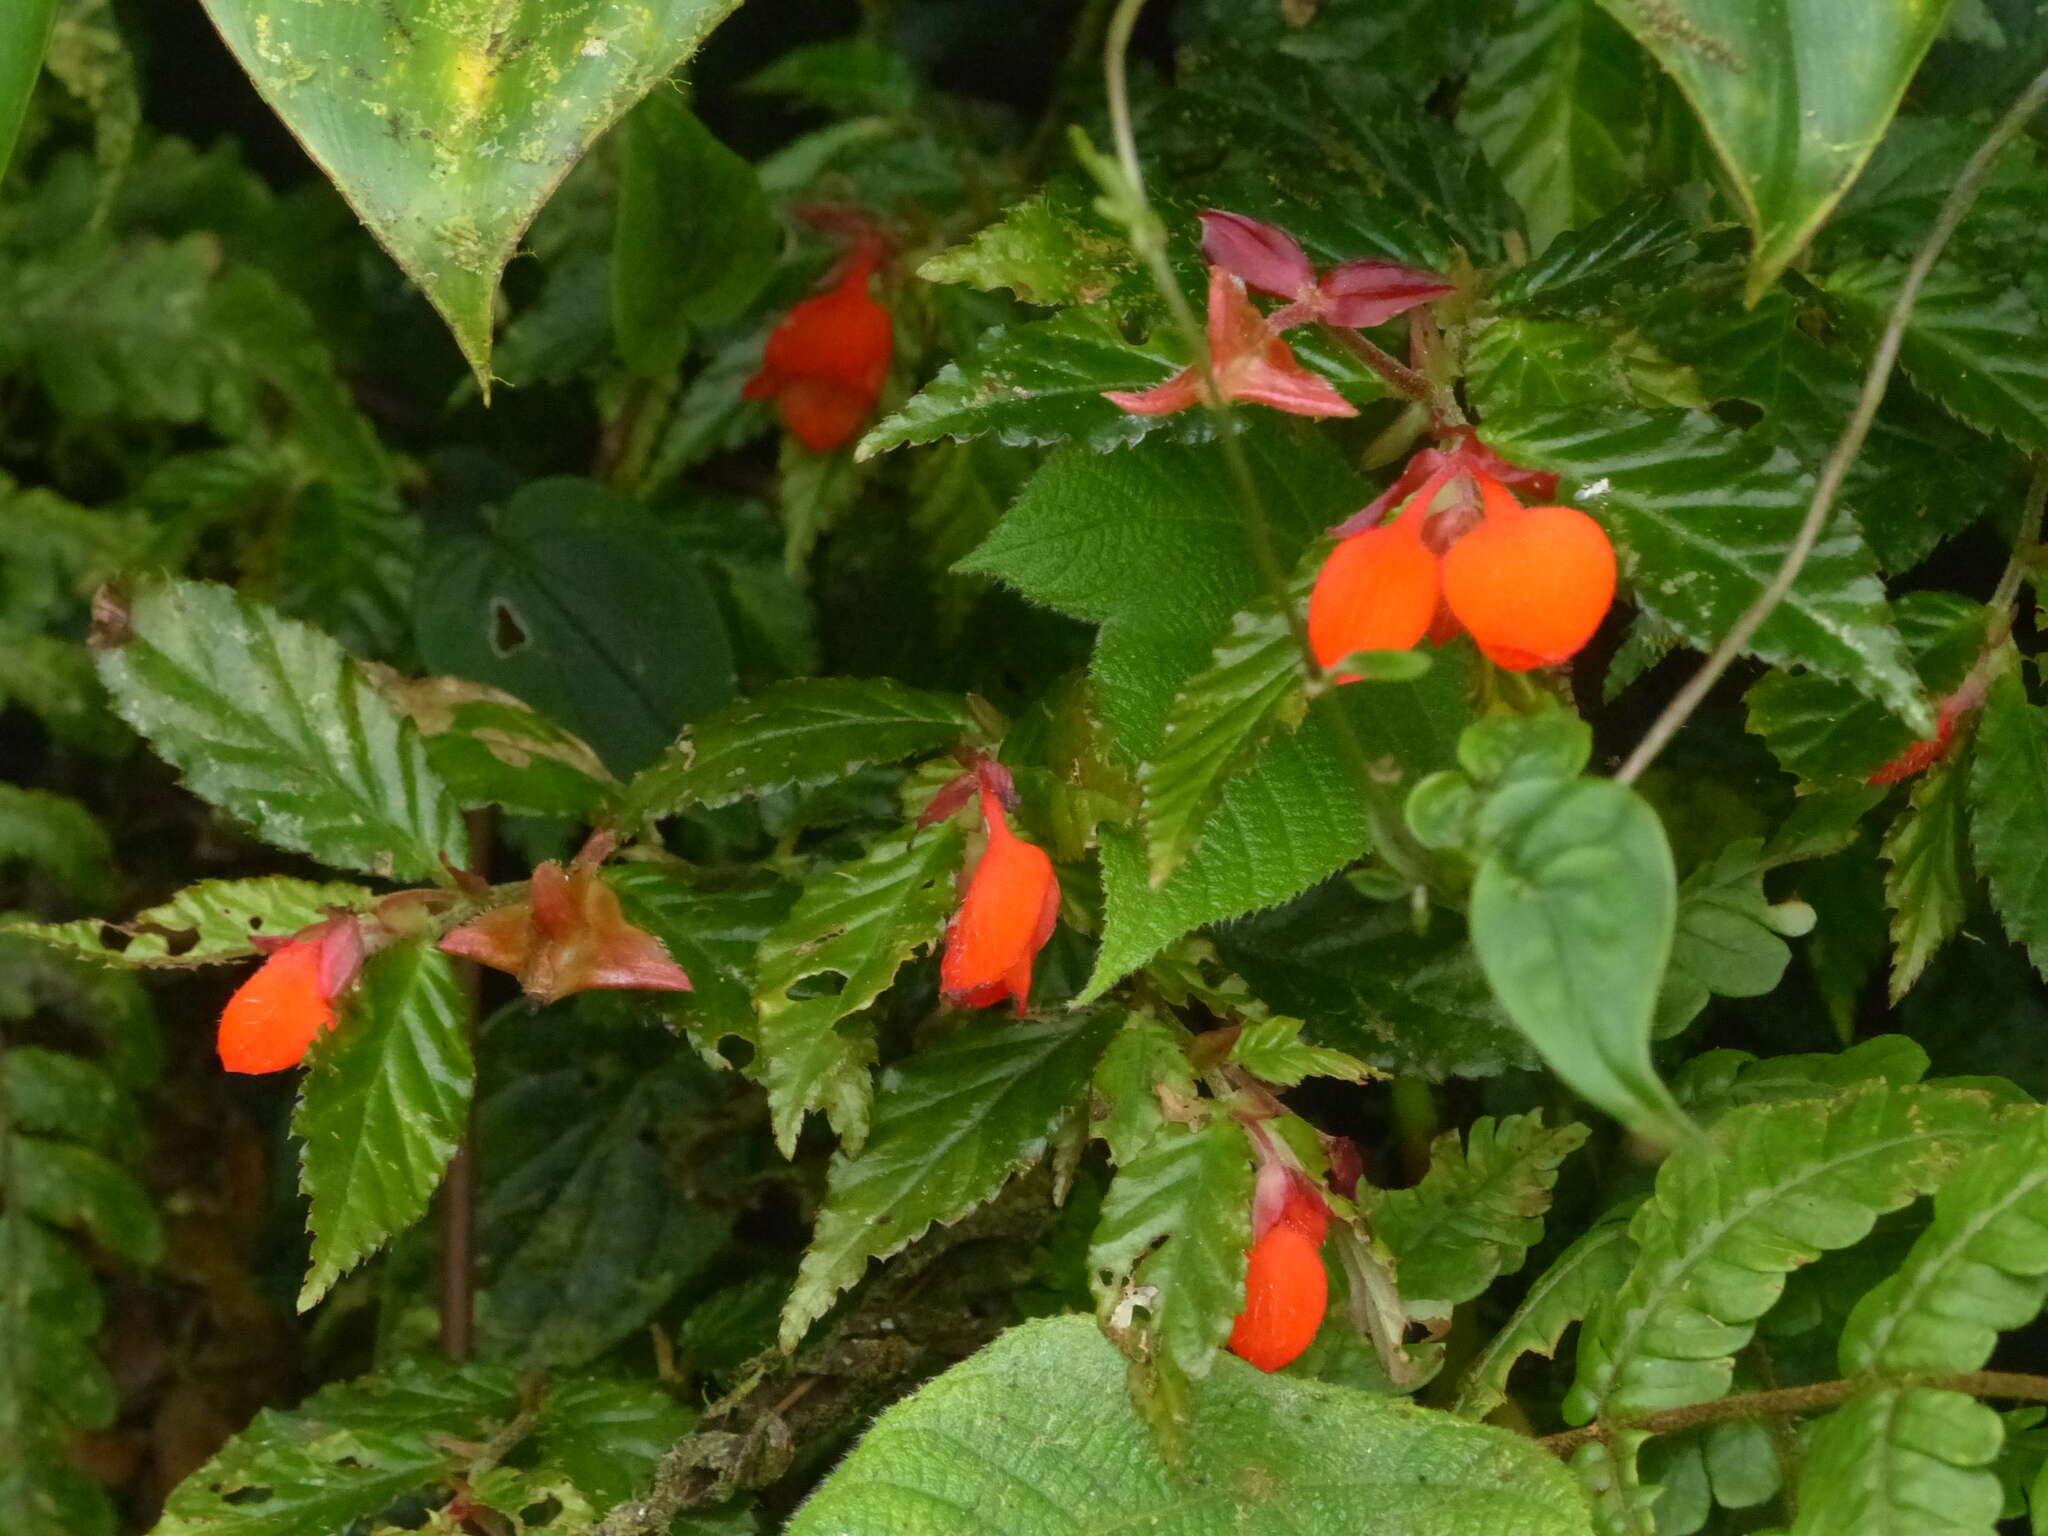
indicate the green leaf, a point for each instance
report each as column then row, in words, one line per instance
column 57, row 835
column 796, row 734
column 1635, row 248
column 446, row 129
column 1730, row 939
column 1573, row 910
column 274, row 723
column 1045, row 249
column 1768, row 1189
column 1522, row 364
column 1702, row 520
column 490, row 749
column 203, row 924
column 2008, row 793
column 694, row 241
column 1254, row 686
column 1589, row 1270
column 1976, row 346
column 577, row 602
column 61, row 1095
column 846, row 76
column 1906, row 1461
column 857, row 923
column 73, row 1186
column 1146, row 1056
column 1273, row 1050
column 1476, row 1213
column 24, row 31
column 712, row 928
column 1041, row 382
column 1980, row 1267
column 951, row 1126
column 383, row 1106
column 1037, row 1431
column 1824, row 732
column 1793, row 96
column 1928, row 885
column 1177, row 1218
column 1557, row 103
column 584, row 1232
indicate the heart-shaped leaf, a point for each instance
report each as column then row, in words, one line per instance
column 447, row 123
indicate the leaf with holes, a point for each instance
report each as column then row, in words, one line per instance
column 1793, row 96
column 446, row 126
column 204, row 924
column 272, row 722
column 837, row 952
column 382, row 1109
column 951, row 1126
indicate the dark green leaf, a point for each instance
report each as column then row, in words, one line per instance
column 203, row 924
column 272, row 722
column 2008, row 794
column 490, row 749
column 1927, row 887
column 951, row 1126
column 383, row 1107
column 1476, row 1213
column 72, row 1186
column 796, row 734
column 57, row 835
column 1573, row 910
column 1634, row 247
column 694, row 241
column 61, row 1095
column 23, row 32
column 712, row 928
column 1702, row 520
column 578, row 604
column 1792, row 130
column 1038, row 1428
column 850, row 933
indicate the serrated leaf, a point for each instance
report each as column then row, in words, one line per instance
column 1254, row 686
column 858, row 923
column 1715, row 1082
column 951, row 1126
column 1039, row 383
column 1589, row 1270
column 383, row 1106
column 1572, row 915
column 1702, row 520
column 712, row 928
column 1172, row 1237
column 796, row 734
column 1273, row 1050
column 1146, row 1057
column 1043, row 249
column 1908, row 1461
column 1635, row 247
column 1769, row 1188
column 1039, row 1427
column 491, row 749
column 1556, row 101
column 1927, row 887
column 446, row 129
column 1476, row 1213
column 1824, row 732
column 275, row 724
column 1980, row 1267
column 204, row 924
column 1793, row 96
column 2008, row 793
column 57, row 835
column 1975, row 346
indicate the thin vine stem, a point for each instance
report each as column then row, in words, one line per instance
column 1391, row 836
column 1782, row 1401
column 2005, row 598
column 1875, row 381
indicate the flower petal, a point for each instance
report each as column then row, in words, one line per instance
column 1366, row 293
column 1268, row 259
column 1176, row 394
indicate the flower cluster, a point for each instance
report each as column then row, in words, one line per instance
column 1247, row 357
column 825, row 363
column 1286, row 1288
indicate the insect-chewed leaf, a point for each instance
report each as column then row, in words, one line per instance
column 204, row 924
column 951, row 1126
column 998, row 1433
column 382, row 1109
column 274, row 723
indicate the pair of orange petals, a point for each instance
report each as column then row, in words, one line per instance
column 1530, row 584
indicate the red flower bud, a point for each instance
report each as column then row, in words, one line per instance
column 825, row 363
column 1359, row 294
column 569, row 936
column 1269, row 260
column 1286, row 1288
column 1531, row 584
column 272, row 1019
column 1352, row 293
column 1012, row 902
column 1249, row 361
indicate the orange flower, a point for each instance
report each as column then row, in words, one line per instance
column 1530, row 584
column 272, row 1019
column 1012, row 902
column 1249, row 361
column 825, row 363
column 569, row 936
column 1286, row 1289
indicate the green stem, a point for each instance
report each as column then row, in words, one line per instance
column 1849, row 444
